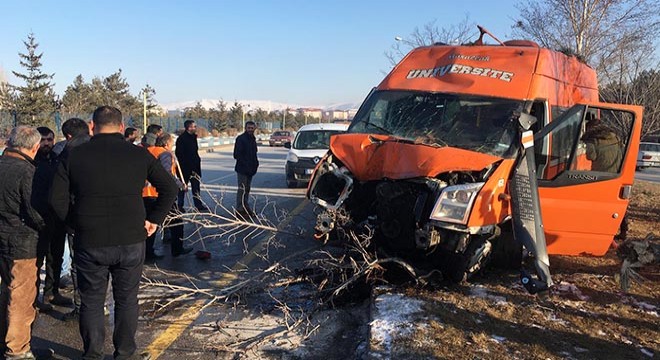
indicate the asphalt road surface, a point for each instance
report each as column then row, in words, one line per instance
column 196, row 326
column 174, row 333
column 649, row 174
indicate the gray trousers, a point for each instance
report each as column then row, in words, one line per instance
column 243, row 194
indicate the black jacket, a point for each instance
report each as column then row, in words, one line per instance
column 20, row 223
column 46, row 165
column 187, row 152
column 105, row 176
column 245, row 153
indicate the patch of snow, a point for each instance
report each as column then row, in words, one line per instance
column 570, row 288
column 538, row 326
column 554, row 318
column 481, row 292
column 580, row 350
column 626, row 341
column 647, row 352
column 393, row 318
column 497, row 339
column 645, row 306
column 602, row 333
column 640, row 305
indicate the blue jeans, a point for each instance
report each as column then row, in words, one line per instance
column 93, row 266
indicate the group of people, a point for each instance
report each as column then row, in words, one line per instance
column 107, row 194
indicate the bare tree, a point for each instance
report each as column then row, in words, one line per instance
column 644, row 89
column 601, row 32
column 616, row 37
column 430, row 34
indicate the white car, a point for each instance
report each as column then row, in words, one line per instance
column 308, row 147
column 649, row 155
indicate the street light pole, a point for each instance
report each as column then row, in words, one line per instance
column 144, row 105
column 243, row 113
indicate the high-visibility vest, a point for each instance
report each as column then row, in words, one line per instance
column 149, row 190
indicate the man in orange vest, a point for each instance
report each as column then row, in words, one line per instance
column 149, row 195
column 162, row 150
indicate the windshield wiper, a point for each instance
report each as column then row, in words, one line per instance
column 387, row 132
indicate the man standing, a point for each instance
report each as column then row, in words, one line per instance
column 46, row 143
column 187, row 152
column 245, row 153
column 104, row 178
column 19, row 236
column 53, row 236
column 131, row 134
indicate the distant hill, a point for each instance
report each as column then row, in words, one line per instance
column 256, row 104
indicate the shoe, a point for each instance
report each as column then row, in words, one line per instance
column 74, row 315
column 141, row 356
column 41, row 354
column 66, row 282
column 24, row 356
column 44, row 307
column 150, row 258
column 59, row 300
column 184, row 250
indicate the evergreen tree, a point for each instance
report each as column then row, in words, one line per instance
column 152, row 105
column 78, row 99
column 236, row 116
column 35, row 101
column 195, row 113
column 219, row 117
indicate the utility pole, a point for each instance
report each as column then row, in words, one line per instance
column 144, row 108
column 243, row 113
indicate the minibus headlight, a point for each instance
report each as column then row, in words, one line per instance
column 454, row 203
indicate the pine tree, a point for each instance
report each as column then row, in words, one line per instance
column 152, row 104
column 78, row 98
column 35, row 102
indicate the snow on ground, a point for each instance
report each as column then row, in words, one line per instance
column 481, row 292
column 565, row 287
column 392, row 317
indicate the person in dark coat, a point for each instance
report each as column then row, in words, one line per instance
column 187, row 151
column 245, row 153
column 104, row 179
column 603, row 147
column 20, row 224
column 53, row 234
column 76, row 132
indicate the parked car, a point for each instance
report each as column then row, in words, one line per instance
column 648, row 156
column 280, row 138
column 309, row 146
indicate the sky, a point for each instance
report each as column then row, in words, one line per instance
column 303, row 52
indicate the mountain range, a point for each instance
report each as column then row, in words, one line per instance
column 256, row 104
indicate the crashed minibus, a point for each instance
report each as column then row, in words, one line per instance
column 464, row 153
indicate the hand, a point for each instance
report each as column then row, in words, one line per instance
column 150, row 227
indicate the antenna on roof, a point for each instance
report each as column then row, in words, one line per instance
column 483, row 31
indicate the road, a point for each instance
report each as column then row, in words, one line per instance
column 649, row 174
column 196, row 327
column 188, row 328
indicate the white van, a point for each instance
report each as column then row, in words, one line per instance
column 308, row 147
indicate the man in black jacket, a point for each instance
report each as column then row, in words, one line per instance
column 53, row 234
column 245, row 153
column 20, row 224
column 104, row 178
column 187, row 152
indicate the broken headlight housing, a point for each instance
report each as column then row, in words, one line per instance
column 454, row 203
